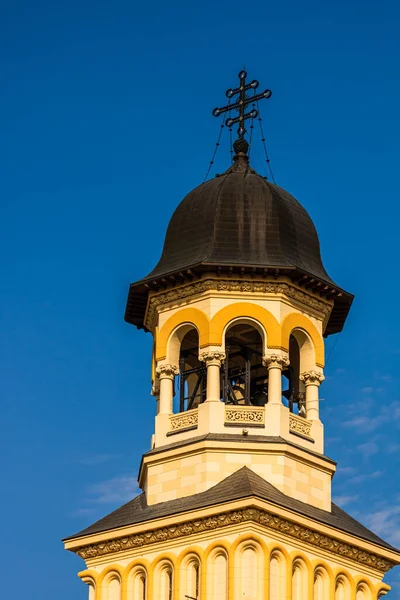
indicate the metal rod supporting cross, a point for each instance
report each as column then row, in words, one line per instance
column 242, row 102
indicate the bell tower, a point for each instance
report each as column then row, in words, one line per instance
column 236, row 496
column 238, row 361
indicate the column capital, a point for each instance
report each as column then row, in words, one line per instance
column 276, row 361
column 167, row 371
column 213, row 357
column 312, row 378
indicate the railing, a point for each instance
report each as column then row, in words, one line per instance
column 253, row 416
column 300, row 426
column 184, row 420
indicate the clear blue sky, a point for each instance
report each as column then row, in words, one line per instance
column 105, row 124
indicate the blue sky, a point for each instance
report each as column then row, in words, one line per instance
column 105, row 124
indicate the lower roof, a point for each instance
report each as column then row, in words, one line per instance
column 242, row 484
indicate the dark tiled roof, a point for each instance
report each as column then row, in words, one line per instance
column 244, row 483
column 239, row 220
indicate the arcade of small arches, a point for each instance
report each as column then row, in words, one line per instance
column 252, row 360
column 247, row 569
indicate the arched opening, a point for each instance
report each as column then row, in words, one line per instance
column 299, row 581
column 165, row 581
column 191, row 574
column 114, row 589
column 192, row 374
column 277, row 576
column 321, row 584
column 342, row 589
column 294, row 394
column 363, row 592
column 217, row 584
column 92, row 591
column 137, row 584
column 245, row 378
column 250, row 574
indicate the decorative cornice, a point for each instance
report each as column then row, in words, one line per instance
column 214, row 357
column 312, row 378
column 218, row 521
column 322, row 306
column 167, row 371
column 276, row 361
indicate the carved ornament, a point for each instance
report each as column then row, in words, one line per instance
column 245, row 415
column 167, row 371
column 299, row 425
column 312, row 377
column 212, row 358
column 224, row 519
column 177, row 294
column 276, row 361
column 183, row 420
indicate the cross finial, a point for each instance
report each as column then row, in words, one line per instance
column 241, row 103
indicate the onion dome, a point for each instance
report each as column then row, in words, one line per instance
column 240, row 223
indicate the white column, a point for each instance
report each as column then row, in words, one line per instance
column 213, row 361
column 166, row 374
column 275, row 364
column 312, row 381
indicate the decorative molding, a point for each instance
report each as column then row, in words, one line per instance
column 276, row 361
column 167, row 371
column 299, row 425
column 224, row 519
column 244, row 415
column 212, row 358
column 177, row 294
column 183, row 420
column 312, row 378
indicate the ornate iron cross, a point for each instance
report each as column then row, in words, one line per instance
column 241, row 104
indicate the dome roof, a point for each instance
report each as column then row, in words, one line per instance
column 239, row 221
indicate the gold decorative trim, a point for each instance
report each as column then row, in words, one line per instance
column 182, row 420
column 156, row 299
column 299, row 425
column 255, row 515
column 246, row 415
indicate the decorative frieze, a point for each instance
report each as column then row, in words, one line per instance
column 312, row 378
column 265, row 518
column 321, row 306
column 183, row 420
column 245, row 415
column 299, row 425
column 276, row 361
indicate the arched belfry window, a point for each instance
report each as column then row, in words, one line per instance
column 293, row 389
column 192, row 373
column 244, row 377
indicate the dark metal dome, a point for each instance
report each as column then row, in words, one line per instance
column 234, row 222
